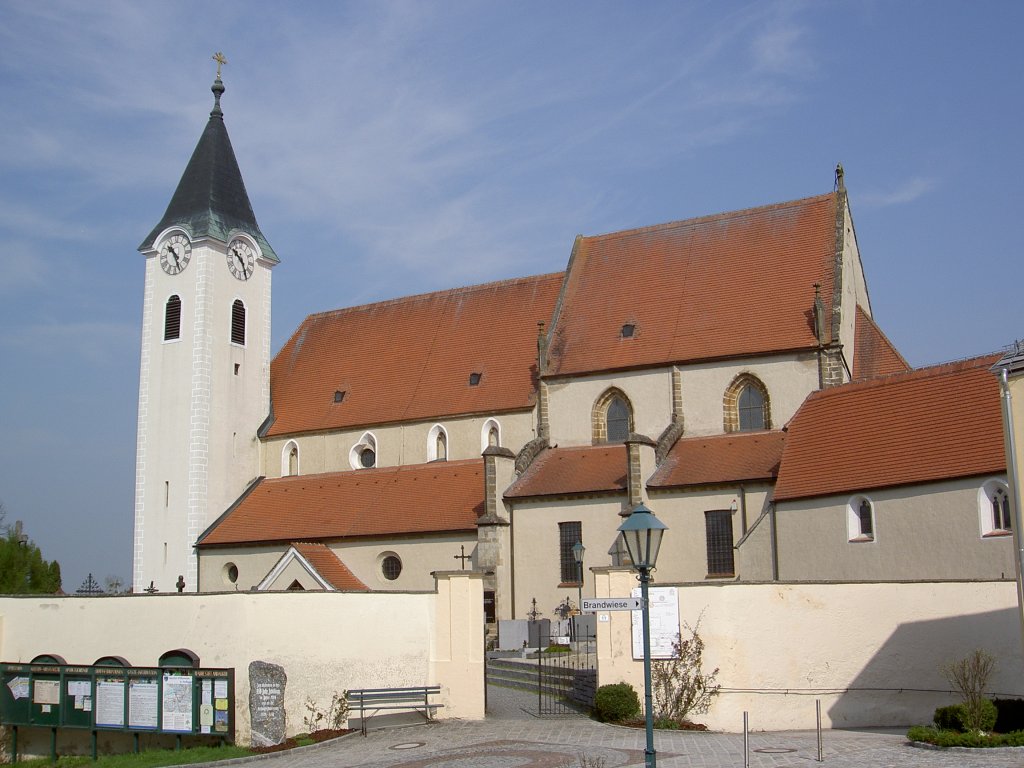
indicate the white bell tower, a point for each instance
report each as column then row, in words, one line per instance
column 204, row 379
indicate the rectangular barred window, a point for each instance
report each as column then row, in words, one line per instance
column 568, row 535
column 718, row 530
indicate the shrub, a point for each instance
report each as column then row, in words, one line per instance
column 616, row 702
column 955, row 717
column 970, row 676
column 679, row 683
column 956, row 739
column 1011, row 715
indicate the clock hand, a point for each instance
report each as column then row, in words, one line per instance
column 174, row 254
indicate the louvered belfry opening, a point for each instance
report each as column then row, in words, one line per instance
column 238, row 322
column 172, row 319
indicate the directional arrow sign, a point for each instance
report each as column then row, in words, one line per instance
column 592, row 605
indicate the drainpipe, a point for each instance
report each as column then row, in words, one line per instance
column 1010, row 442
column 774, row 542
column 743, row 508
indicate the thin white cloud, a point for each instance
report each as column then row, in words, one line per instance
column 907, row 192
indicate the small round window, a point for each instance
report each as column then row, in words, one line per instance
column 368, row 458
column 391, row 567
column 231, row 573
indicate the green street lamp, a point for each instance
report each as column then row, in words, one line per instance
column 641, row 534
column 577, row 554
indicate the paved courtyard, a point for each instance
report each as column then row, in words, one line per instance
column 511, row 737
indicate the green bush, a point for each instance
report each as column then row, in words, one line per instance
column 616, row 702
column 955, row 717
column 949, row 718
column 957, row 739
column 1011, row 715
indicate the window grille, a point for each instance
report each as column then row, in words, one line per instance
column 172, row 319
column 751, row 408
column 618, row 420
column 718, row 531
column 391, row 567
column 568, row 535
column 238, row 322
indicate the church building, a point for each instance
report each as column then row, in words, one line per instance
column 726, row 371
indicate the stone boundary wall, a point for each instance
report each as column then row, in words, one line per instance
column 871, row 652
column 326, row 642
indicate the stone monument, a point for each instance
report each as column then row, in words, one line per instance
column 266, row 703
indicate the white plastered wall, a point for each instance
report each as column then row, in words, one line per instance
column 326, row 642
column 788, row 378
column 871, row 652
column 397, row 444
column 928, row 531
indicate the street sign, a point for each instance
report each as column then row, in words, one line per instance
column 592, row 605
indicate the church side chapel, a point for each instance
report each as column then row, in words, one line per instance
column 725, row 370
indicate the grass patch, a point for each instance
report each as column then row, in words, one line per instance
column 153, row 758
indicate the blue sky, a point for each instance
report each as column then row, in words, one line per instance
column 392, row 148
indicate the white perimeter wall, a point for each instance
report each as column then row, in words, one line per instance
column 781, row 646
column 326, row 642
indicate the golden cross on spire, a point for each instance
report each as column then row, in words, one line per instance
column 219, row 58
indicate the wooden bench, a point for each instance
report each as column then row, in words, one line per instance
column 374, row 700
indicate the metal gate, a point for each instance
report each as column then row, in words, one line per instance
column 567, row 677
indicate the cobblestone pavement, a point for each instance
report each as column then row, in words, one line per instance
column 511, row 737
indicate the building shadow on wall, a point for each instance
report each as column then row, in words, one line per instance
column 903, row 683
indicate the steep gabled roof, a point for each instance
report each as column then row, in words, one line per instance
column 716, row 287
column 411, row 358
column 931, row 424
column 874, row 355
column 210, row 200
column 329, row 566
column 733, row 458
column 570, row 471
column 392, row 501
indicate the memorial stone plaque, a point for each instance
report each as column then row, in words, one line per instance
column 266, row 703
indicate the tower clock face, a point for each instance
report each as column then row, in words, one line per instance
column 241, row 259
column 175, row 253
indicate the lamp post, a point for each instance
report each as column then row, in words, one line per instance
column 641, row 533
column 577, row 554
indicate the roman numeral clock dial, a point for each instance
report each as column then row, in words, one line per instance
column 241, row 259
column 174, row 254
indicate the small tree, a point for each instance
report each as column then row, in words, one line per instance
column 970, row 676
column 23, row 571
column 680, row 685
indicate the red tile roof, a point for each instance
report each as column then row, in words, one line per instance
column 411, row 358
column 926, row 425
column 874, row 355
column 567, row 471
column 715, row 287
column 729, row 458
column 329, row 566
column 419, row 498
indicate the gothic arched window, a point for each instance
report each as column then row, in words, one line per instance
column 290, row 459
column 612, row 417
column 746, row 405
column 994, row 509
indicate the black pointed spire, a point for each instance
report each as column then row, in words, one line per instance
column 210, row 200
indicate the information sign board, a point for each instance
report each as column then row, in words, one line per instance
column 592, row 605
column 664, row 617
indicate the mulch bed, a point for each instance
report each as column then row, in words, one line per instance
column 680, row 725
column 316, row 737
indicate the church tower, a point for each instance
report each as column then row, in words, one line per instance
column 204, row 379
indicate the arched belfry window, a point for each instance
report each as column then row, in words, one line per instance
column 172, row 319
column 612, row 417
column 290, row 459
column 238, row 322
column 746, row 405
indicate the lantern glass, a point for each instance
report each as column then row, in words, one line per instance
column 641, row 534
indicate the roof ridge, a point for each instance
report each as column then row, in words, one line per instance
column 935, row 370
column 709, row 217
column 464, row 289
